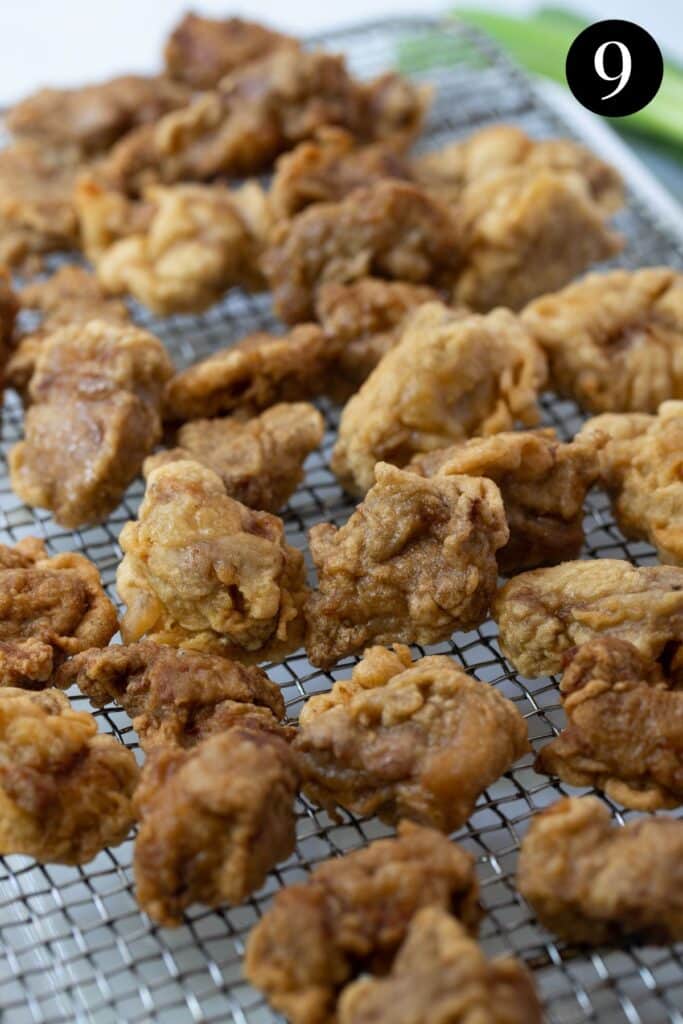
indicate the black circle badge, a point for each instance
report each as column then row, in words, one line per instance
column 614, row 68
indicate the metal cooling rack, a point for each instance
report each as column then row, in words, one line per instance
column 75, row 948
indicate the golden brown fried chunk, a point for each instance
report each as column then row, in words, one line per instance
column 214, row 820
column 201, row 51
column 416, row 561
column 389, row 230
column 50, row 608
column 614, row 341
column 259, row 371
column 203, row 572
column 527, row 234
column 70, row 296
column 352, row 915
column 94, row 416
column 65, row 790
column 625, row 727
column 9, row 307
column 592, row 882
column 259, row 460
column 175, row 698
column 106, row 215
column 543, row 614
column 402, row 740
column 450, row 376
column 543, row 483
column 441, row 975
column 641, row 466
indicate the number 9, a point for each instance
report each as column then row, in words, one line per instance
column 626, row 64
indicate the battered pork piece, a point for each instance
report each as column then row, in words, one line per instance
column 590, row 881
column 257, row 372
column 441, row 975
column 390, row 229
column 203, row 572
column 641, row 465
column 402, row 740
column 543, row 614
column 214, row 820
column 94, row 415
column 50, row 608
column 201, row 51
column 543, row 483
column 416, row 561
column 614, row 341
column 259, row 460
column 450, row 377
column 625, row 727
column 351, row 916
column 106, row 215
column 176, row 698
column 65, row 790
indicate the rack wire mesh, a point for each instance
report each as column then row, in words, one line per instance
column 74, row 946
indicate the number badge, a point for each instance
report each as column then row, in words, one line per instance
column 614, row 68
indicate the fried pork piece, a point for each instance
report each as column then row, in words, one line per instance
column 259, row 371
column 641, row 466
column 402, row 740
column 614, row 341
column 450, row 376
column 259, row 460
column 441, row 975
column 390, row 229
column 214, row 820
column 9, row 307
column 201, row 51
column 106, row 215
column 625, row 727
column 94, row 416
column 543, row 483
column 37, row 213
column 592, row 882
column 448, row 171
column 352, row 915
column 175, row 698
column 328, row 168
column 544, row 613
column 416, row 561
column 65, row 790
column 203, row 572
column 50, row 608
column 525, row 234
column 70, row 296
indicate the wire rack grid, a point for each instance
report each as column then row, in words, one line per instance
column 73, row 945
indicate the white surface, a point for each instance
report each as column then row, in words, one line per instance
column 62, row 42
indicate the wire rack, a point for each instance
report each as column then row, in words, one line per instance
column 74, row 946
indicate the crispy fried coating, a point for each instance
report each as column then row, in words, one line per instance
column 204, row 572
column 214, row 820
column 259, row 460
column 415, row 561
column 543, row 483
column 65, row 790
column 106, row 215
column 176, row 698
column 525, row 234
column 70, row 296
column 389, row 229
column 614, row 341
column 201, row 51
column 259, row 371
column 451, row 376
column 94, row 416
column 641, row 466
column 407, row 740
column 592, row 882
column 544, row 613
column 441, row 975
column 50, row 608
column 352, row 915
column 625, row 727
